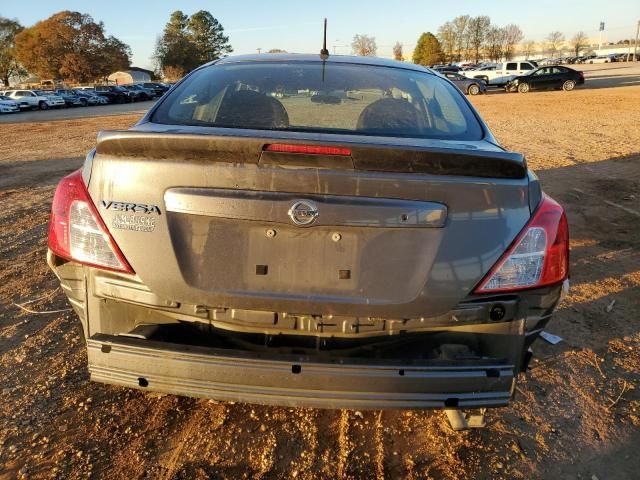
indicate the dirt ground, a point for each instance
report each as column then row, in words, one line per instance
column 576, row 414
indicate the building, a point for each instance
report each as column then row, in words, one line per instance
column 132, row 75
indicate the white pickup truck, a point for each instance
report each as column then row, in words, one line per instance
column 29, row 99
column 500, row 73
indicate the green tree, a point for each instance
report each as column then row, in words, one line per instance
column 9, row 66
column 70, row 45
column 428, row 50
column 208, row 36
column 188, row 42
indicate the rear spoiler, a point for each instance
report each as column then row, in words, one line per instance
column 363, row 156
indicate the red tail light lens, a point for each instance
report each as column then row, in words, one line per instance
column 76, row 230
column 308, row 149
column 538, row 257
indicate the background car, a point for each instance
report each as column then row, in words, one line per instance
column 546, row 78
column 141, row 92
column 28, row 99
column 470, row 86
column 71, row 99
column 54, row 100
column 114, row 93
column 599, row 59
column 158, row 88
column 8, row 106
column 90, row 96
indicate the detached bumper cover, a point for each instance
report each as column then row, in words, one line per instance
column 297, row 381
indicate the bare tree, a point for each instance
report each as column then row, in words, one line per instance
column 554, row 41
column 460, row 26
column 477, row 32
column 528, row 48
column 364, row 45
column 579, row 41
column 446, row 36
column 494, row 43
column 397, row 52
column 512, row 36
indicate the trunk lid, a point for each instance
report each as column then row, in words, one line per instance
column 399, row 230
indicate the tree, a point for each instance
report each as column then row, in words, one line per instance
column 397, row 52
column 72, row 46
column 364, row 45
column 188, row 42
column 579, row 41
column 512, row 36
column 447, row 39
column 528, row 48
column 476, row 34
column 172, row 74
column 9, row 66
column 554, row 41
column 428, row 50
column 494, row 43
column 460, row 25
column 208, row 36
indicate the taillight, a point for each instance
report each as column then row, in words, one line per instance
column 76, row 230
column 539, row 256
column 308, row 149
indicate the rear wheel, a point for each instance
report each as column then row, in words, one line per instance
column 523, row 88
column 474, row 89
column 84, row 102
column 568, row 85
column 43, row 105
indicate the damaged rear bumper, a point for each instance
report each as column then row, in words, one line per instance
column 290, row 380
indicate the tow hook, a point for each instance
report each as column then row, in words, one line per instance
column 459, row 421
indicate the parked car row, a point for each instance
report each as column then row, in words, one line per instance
column 516, row 77
column 15, row 100
column 592, row 58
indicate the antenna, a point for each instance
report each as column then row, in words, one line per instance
column 324, row 53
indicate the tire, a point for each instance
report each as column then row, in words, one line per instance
column 474, row 89
column 568, row 85
column 523, row 88
column 43, row 105
column 84, row 103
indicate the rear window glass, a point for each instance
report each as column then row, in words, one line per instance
column 334, row 98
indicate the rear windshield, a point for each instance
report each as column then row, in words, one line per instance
column 310, row 97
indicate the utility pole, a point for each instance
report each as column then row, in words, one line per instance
column 259, row 50
column 635, row 45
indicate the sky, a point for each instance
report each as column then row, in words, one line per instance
column 296, row 26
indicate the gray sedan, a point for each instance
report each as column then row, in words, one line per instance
column 470, row 86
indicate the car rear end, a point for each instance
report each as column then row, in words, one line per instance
column 360, row 241
column 8, row 106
